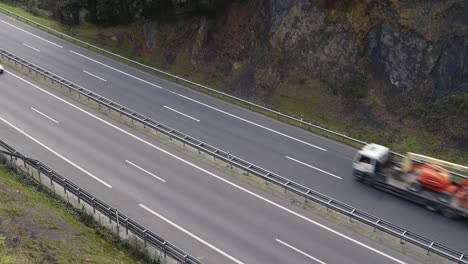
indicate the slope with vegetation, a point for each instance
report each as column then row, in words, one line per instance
column 39, row 228
column 391, row 72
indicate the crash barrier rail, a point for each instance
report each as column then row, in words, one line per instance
column 231, row 160
column 122, row 222
column 177, row 79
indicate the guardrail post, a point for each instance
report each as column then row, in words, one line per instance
column 117, row 220
column 144, row 238
column 229, row 160
column 52, row 182
column 94, row 204
column 164, row 248
column 39, row 173
column 79, row 194
column 109, row 214
column 65, row 191
column 126, row 226
column 430, row 246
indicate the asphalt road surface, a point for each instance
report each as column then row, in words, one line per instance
column 311, row 160
column 213, row 216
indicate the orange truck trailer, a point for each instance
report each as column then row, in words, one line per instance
column 420, row 179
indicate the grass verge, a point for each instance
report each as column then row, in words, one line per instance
column 36, row 226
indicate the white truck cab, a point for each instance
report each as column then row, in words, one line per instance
column 369, row 159
column 1, row 69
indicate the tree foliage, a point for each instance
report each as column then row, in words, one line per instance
column 115, row 12
column 67, row 12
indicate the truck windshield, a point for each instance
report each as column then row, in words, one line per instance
column 364, row 159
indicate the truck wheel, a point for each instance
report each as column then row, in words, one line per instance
column 445, row 197
column 449, row 213
column 431, row 207
column 415, row 187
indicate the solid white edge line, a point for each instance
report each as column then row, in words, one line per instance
column 193, row 100
column 191, row 235
column 300, row 251
column 31, row 34
column 44, row 115
column 180, row 113
column 56, row 153
column 117, row 70
column 140, row 168
column 252, row 123
column 315, row 168
column 217, row 177
column 95, row 76
column 31, row 47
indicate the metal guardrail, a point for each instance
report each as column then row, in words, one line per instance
column 177, row 78
column 113, row 214
column 232, row 160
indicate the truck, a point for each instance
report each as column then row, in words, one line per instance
column 418, row 178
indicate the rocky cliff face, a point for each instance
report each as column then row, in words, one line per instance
column 408, row 46
column 380, row 64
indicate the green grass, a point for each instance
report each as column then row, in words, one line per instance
column 40, row 20
column 36, row 226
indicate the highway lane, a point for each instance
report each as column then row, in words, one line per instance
column 233, row 129
column 147, row 182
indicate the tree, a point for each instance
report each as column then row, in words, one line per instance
column 112, row 12
column 67, row 12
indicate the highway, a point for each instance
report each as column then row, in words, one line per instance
column 212, row 215
column 311, row 160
